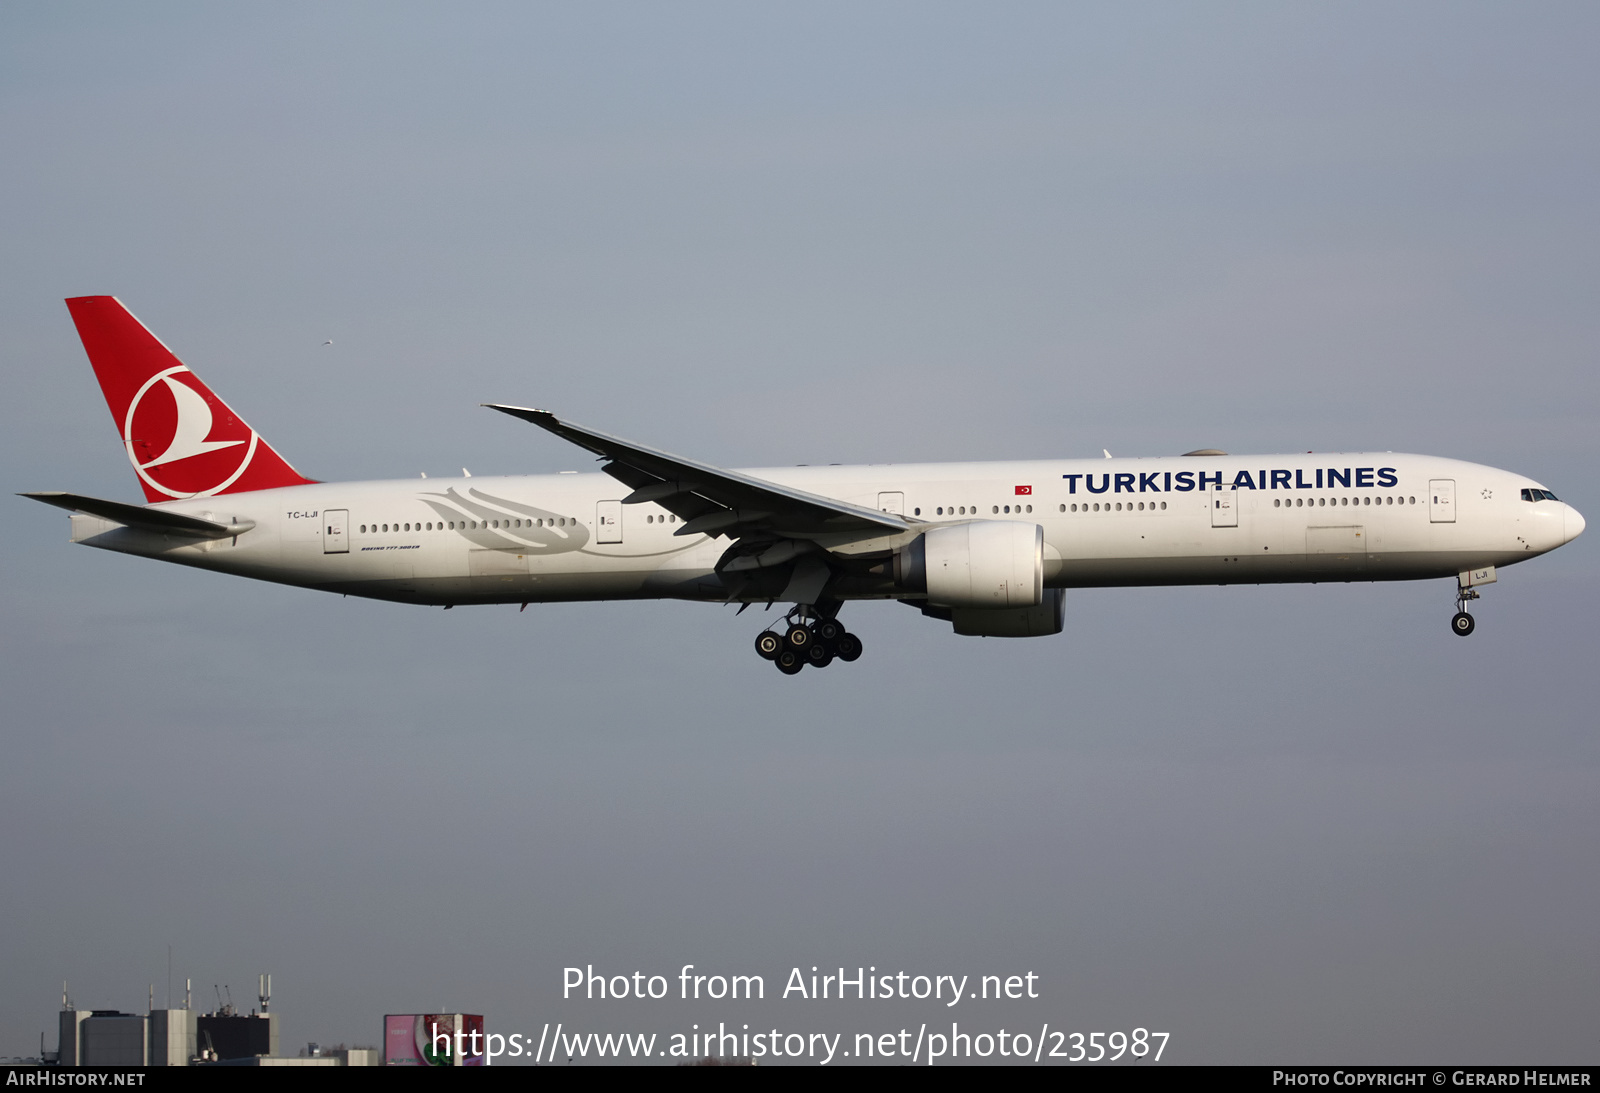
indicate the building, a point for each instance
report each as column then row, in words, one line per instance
column 236, row 1035
column 172, row 1037
column 113, row 1038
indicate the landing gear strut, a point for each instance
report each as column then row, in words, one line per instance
column 1463, row 623
column 807, row 638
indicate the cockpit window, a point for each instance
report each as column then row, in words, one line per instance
column 1539, row 495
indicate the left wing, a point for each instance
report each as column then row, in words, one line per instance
column 713, row 501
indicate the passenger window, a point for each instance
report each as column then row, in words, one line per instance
column 1163, row 506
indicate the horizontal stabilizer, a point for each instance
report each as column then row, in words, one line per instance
column 138, row 516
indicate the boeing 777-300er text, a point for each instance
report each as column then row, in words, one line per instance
column 987, row 547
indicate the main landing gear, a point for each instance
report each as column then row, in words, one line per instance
column 807, row 640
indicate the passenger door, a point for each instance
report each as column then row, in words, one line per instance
column 1442, row 500
column 336, row 531
column 608, row 522
column 1224, row 508
column 892, row 502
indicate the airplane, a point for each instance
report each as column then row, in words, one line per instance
column 989, row 548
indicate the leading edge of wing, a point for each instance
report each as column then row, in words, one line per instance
column 729, row 489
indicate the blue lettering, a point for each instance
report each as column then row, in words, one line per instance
column 1183, row 481
column 1280, row 478
column 1386, row 477
column 1088, row 480
column 1241, row 481
column 1215, row 478
column 1363, row 476
column 1319, row 478
column 1337, row 477
column 1147, row 482
column 1299, row 481
column 1168, row 480
column 1124, row 482
column 1072, row 482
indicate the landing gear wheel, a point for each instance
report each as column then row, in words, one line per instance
column 789, row 662
column 798, row 638
column 1463, row 623
column 828, row 630
column 768, row 645
column 820, row 655
column 847, row 647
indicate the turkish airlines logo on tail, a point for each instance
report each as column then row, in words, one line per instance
column 182, row 440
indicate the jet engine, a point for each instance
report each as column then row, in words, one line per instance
column 986, row 565
column 1013, row 622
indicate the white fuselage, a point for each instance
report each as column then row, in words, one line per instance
column 531, row 538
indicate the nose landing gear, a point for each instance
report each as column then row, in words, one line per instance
column 1462, row 623
column 807, row 639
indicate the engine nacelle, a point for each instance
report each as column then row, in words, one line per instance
column 1016, row 622
column 986, row 565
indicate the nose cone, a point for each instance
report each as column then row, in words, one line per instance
column 1574, row 524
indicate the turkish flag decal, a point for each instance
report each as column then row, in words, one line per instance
column 1024, row 491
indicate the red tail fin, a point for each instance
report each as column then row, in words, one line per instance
column 183, row 440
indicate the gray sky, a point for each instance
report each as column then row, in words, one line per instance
column 1298, row 824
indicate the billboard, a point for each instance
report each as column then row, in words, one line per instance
column 433, row 1039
